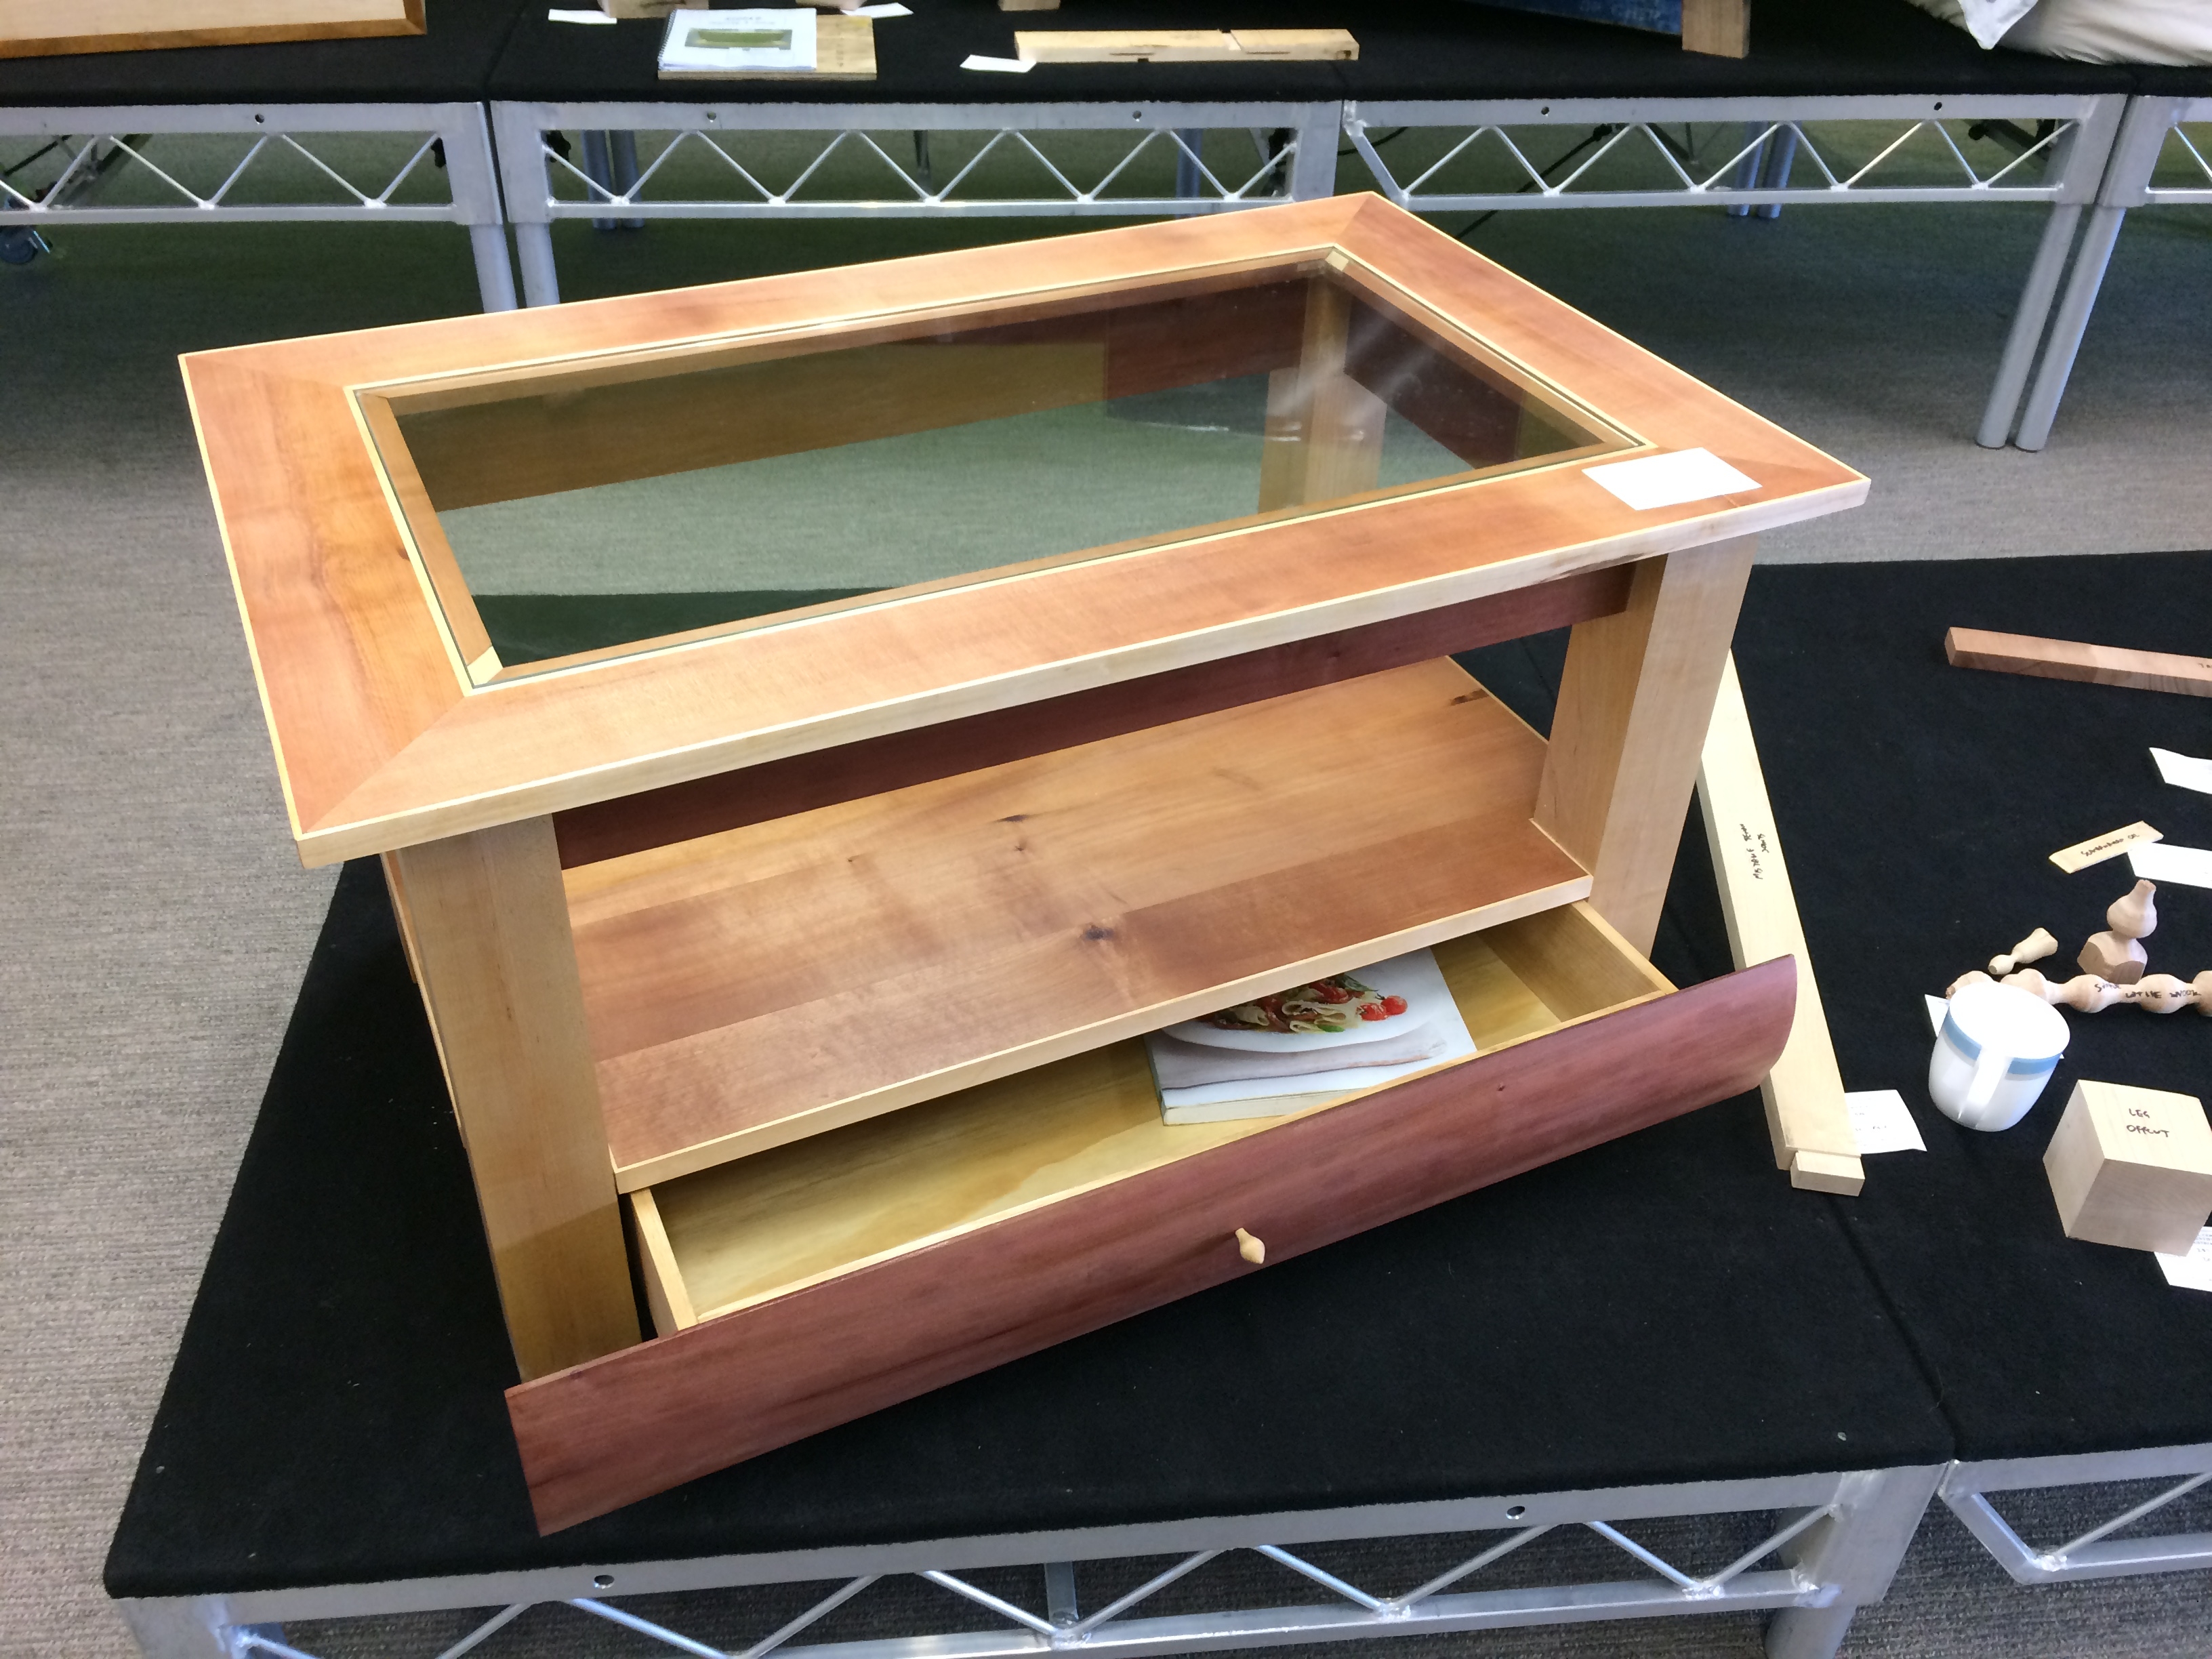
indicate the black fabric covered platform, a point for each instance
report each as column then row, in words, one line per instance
column 1917, row 804
column 1799, row 48
column 449, row 63
column 1663, row 1309
column 1421, row 49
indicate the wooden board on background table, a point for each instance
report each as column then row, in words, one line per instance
column 1185, row 45
column 41, row 28
column 844, row 50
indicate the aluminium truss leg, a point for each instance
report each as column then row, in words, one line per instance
column 1808, row 1632
column 533, row 245
column 1781, row 156
column 495, row 269
column 1189, row 181
column 2066, row 331
column 2027, row 325
column 1747, row 170
column 179, row 1627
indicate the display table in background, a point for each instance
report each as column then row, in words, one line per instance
column 130, row 134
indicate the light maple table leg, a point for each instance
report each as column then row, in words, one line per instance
column 1324, row 429
column 1634, row 703
column 488, row 924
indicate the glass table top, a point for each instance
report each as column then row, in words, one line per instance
column 599, row 505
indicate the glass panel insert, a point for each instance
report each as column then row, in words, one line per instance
column 604, row 504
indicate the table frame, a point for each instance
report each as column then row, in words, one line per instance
column 1840, row 1537
column 1758, row 179
column 2152, row 128
column 1966, row 1486
column 1304, row 168
column 103, row 132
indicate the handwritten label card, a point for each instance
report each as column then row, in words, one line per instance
column 2192, row 1272
column 2095, row 850
column 1881, row 1123
column 1656, row 481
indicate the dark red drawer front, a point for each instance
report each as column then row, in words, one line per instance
column 620, row 1428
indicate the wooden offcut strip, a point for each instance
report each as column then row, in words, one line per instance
column 779, row 788
column 844, row 50
column 1185, row 45
column 2071, row 660
column 1804, row 1093
column 43, row 28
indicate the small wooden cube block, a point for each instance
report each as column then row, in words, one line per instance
column 2132, row 1166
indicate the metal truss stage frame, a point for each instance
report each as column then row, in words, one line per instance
column 2095, row 1554
column 1293, row 159
column 2063, row 146
column 1835, row 1541
column 96, row 143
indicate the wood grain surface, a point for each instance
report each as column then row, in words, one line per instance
column 382, row 742
column 875, row 765
column 750, row 988
column 2071, row 660
column 41, row 28
column 618, row 1429
column 1635, row 699
column 489, row 936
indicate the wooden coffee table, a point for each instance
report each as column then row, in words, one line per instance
column 813, row 727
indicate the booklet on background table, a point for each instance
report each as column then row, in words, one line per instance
column 740, row 41
column 1310, row 1043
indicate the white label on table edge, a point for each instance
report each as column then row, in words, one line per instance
column 976, row 60
column 563, row 15
column 2160, row 860
column 2186, row 770
column 1883, row 1123
column 2192, row 1272
column 1650, row 482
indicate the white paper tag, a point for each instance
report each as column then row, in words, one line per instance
column 880, row 11
column 2192, row 1272
column 2158, row 860
column 975, row 60
column 1881, row 1123
column 2186, row 770
column 1937, row 1007
column 1655, row 480
column 564, row 14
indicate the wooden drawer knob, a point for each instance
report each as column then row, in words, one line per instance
column 1250, row 1247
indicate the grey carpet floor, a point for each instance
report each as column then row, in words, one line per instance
column 157, row 924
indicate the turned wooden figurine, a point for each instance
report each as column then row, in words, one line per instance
column 2036, row 946
column 2088, row 993
column 2118, row 955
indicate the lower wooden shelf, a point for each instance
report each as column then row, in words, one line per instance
column 803, row 1287
column 750, row 989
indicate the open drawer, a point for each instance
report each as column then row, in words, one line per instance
column 818, row 1281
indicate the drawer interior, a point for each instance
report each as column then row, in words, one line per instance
column 745, row 1231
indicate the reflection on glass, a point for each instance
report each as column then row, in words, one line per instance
column 605, row 504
